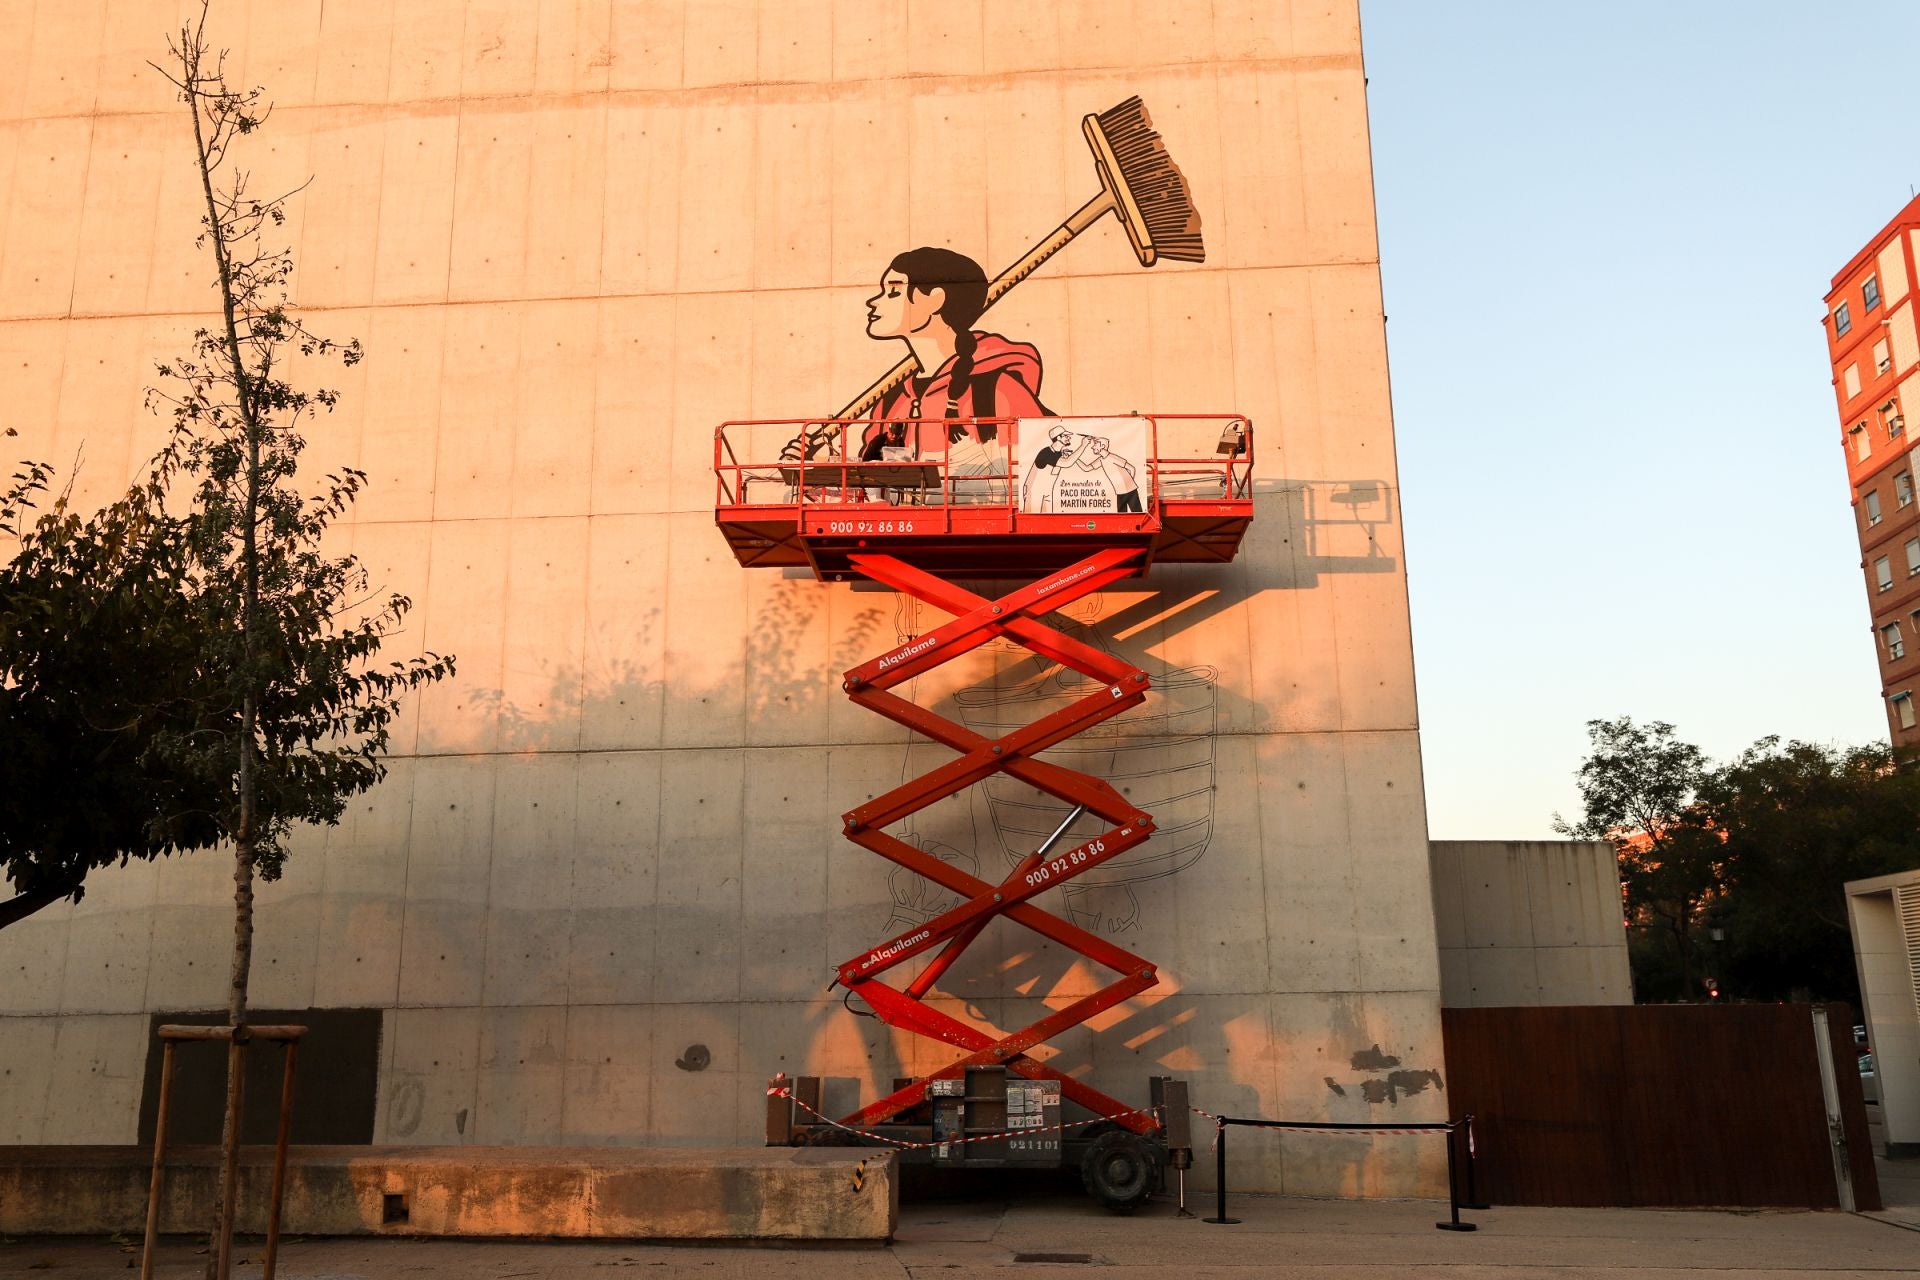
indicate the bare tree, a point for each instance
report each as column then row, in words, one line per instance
column 299, row 712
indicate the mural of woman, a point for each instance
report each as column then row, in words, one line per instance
column 929, row 298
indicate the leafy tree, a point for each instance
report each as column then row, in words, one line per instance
column 99, row 662
column 1758, row 850
column 1800, row 821
column 1638, row 785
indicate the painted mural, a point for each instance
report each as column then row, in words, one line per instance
column 929, row 297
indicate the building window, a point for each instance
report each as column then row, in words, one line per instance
column 1903, row 709
column 1850, row 380
column 1882, row 361
column 1890, row 417
column 1883, row 573
column 1870, row 291
column 1913, row 556
column 1842, row 321
column 1890, row 636
column 1871, row 503
column 1861, row 445
column 1903, row 488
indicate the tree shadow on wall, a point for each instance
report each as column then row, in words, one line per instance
column 618, row 698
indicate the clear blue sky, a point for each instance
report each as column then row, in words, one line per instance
column 1605, row 234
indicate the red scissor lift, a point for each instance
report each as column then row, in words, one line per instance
column 919, row 524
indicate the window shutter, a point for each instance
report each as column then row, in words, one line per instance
column 1906, row 907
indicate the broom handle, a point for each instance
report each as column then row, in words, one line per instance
column 1059, row 238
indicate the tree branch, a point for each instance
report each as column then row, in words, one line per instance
column 20, row 906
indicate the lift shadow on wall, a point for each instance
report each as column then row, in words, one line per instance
column 1163, row 755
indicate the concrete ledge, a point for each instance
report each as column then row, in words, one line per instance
column 648, row 1193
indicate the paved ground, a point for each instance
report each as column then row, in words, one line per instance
column 1899, row 1180
column 1055, row 1236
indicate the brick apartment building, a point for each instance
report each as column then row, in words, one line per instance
column 1872, row 340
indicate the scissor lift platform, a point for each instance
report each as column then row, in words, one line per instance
column 933, row 511
column 792, row 495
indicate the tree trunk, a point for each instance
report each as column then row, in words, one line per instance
column 220, row 1257
column 246, row 834
column 1686, row 955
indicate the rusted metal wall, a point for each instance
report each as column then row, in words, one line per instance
column 1655, row 1105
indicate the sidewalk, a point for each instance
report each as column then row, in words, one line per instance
column 1899, row 1179
column 1322, row 1239
column 1899, row 1191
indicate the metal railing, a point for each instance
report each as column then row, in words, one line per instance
column 957, row 462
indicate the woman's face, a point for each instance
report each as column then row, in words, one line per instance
column 897, row 311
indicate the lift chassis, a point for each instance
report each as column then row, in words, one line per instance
column 984, row 1120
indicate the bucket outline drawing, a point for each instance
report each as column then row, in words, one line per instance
column 1161, row 756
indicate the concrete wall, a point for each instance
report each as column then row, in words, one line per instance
column 1529, row 922
column 575, row 236
column 1884, row 959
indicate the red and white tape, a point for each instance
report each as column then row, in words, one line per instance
column 1219, row 1125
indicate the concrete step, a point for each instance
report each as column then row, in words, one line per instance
column 641, row 1193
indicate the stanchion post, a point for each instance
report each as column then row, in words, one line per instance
column 159, row 1156
column 230, row 1158
column 1473, row 1200
column 1453, row 1191
column 1220, row 1217
column 280, row 1162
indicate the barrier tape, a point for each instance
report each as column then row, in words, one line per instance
column 780, row 1091
column 1221, row 1122
column 1219, row 1127
column 1448, row 1127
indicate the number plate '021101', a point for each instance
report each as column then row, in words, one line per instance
column 864, row 527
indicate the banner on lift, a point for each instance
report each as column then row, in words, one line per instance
column 1082, row 466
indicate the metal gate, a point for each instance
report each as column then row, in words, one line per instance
column 1663, row 1105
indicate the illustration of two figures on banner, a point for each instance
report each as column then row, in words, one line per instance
column 1161, row 757
column 1083, row 466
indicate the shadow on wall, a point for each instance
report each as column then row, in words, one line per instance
column 1163, row 756
column 1320, row 528
column 1333, row 526
column 618, row 695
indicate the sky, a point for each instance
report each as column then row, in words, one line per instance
column 1606, row 231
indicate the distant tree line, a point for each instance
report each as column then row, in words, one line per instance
column 1733, row 875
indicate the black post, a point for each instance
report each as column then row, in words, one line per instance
column 1473, row 1200
column 1220, row 1217
column 1453, row 1192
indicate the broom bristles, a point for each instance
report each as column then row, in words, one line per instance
column 1155, row 182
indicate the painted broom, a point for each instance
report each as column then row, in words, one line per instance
column 1139, row 184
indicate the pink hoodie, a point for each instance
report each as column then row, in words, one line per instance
column 1016, row 390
